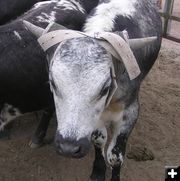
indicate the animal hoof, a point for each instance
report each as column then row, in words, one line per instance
column 34, row 145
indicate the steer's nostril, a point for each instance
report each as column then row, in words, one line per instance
column 69, row 149
column 72, row 148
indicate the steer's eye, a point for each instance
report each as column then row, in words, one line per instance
column 104, row 91
column 105, row 88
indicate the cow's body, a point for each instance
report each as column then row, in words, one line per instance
column 82, row 82
column 23, row 71
column 140, row 19
column 81, row 78
column 10, row 9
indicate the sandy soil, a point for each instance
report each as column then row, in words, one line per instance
column 158, row 128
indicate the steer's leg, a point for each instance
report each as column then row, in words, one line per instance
column 122, row 130
column 40, row 133
column 99, row 138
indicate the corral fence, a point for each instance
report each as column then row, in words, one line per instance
column 167, row 14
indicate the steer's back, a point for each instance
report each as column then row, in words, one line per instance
column 138, row 17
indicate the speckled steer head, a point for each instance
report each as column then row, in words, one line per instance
column 80, row 77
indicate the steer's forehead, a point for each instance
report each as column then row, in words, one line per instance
column 82, row 51
column 82, row 62
column 81, row 57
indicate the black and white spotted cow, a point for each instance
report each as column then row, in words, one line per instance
column 23, row 66
column 11, row 9
column 91, row 85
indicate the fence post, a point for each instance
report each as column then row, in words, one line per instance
column 168, row 8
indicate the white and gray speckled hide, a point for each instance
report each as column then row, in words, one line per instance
column 80, row 75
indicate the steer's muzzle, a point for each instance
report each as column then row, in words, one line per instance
column 72, row 148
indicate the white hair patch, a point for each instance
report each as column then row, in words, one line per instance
column 17, row 35
column 103, row 19
column 40, row 4
column 47, row 18
column 70, row 5
column 7, row 114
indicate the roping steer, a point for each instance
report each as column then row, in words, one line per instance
column 95, row 78
column 23, row 66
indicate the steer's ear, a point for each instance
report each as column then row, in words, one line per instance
column 36, row 30
column 113, row 86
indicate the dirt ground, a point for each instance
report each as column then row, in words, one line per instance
column 157, row 130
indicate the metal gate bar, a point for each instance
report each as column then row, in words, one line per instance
column 168, row 17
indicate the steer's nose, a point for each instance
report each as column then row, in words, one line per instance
column 72, row 148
